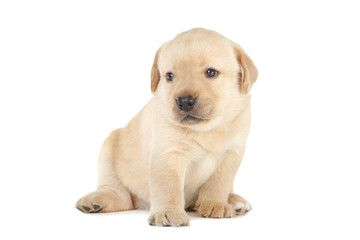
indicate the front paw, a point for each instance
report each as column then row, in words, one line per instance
column 169, row 218
column 215, row 210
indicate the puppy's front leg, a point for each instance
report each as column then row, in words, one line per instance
column 214, row 195
column 167, row 174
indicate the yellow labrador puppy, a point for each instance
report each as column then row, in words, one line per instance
column 183, row 149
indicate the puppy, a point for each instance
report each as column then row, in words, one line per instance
column 183, row 149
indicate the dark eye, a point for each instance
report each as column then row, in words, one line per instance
column 169, row 76
column 211, row 73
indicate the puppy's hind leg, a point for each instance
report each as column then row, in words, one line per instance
column 111, row 195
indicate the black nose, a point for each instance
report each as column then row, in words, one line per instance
column 186, row 103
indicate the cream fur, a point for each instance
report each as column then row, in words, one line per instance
column 171, row 163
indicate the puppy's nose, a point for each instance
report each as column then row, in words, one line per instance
column 186, row 103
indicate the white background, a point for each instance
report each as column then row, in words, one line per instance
column 71, row 71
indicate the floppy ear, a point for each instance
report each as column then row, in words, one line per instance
column 155, row 73
column 248, row 73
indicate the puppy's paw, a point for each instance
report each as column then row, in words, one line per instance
column 103, row 201
column 168, row 218
column 216, row 210
column 91, row 203
column 240, row 205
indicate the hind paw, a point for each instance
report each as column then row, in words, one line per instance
column 240, row 204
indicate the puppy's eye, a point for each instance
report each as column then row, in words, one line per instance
column 169, row 76
column 211, row 73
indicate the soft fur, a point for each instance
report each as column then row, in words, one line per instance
column 166, row 159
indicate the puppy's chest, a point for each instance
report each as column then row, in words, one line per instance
column 217, row 142
column 201, row 168
column 208, row 156
column 208, row 151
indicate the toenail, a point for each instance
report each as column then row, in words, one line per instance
column 96, row 206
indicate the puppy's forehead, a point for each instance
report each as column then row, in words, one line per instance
column 199, row 47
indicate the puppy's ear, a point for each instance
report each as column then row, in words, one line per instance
column 248, row 73
column 155, row 73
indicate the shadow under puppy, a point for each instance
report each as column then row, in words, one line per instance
column 183, row 149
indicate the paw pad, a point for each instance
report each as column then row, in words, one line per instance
column 86, row 209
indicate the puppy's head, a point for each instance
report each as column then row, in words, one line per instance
column 200, row 79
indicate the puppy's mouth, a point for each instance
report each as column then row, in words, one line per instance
column 192, row 119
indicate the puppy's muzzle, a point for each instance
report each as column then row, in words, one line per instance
column 186, row 103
